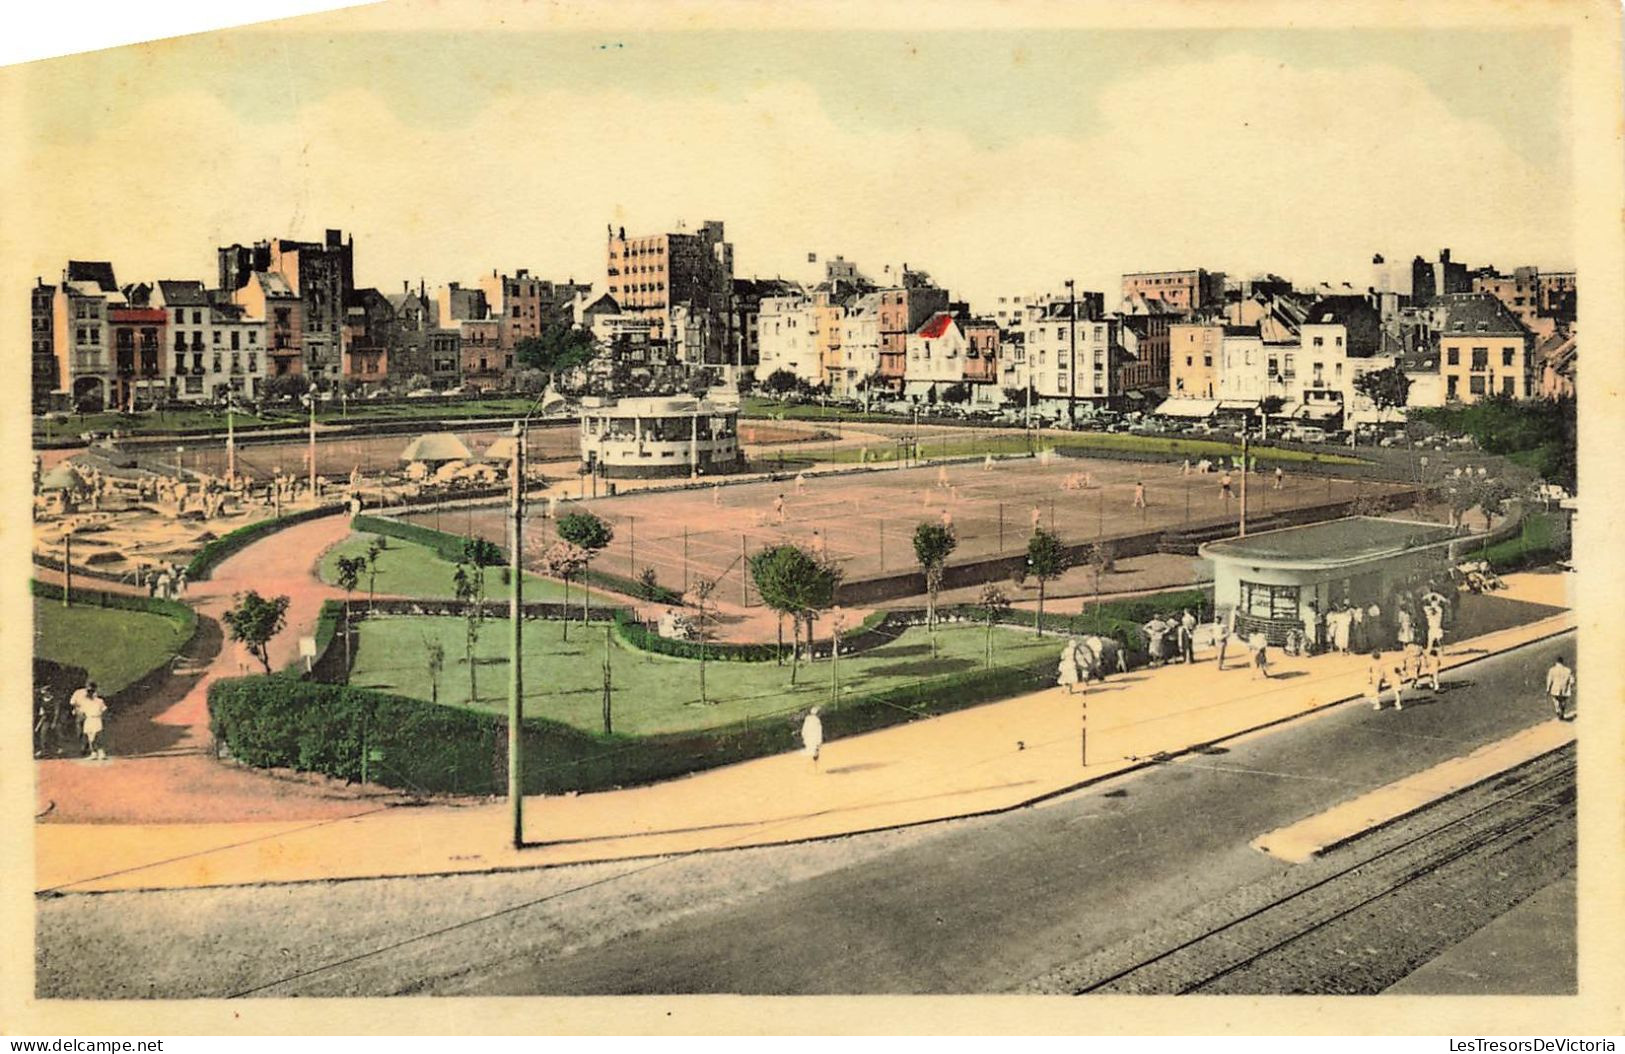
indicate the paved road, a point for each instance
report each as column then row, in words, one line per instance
column 988, row 909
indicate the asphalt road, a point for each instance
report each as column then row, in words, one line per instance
column 991, row 908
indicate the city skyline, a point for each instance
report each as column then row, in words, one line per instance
column 806, row 143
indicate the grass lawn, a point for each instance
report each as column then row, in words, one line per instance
column 115, row 646
column 946, row 445
column 407, row 569
column 655, row 693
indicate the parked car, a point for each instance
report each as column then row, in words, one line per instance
column 422, row 393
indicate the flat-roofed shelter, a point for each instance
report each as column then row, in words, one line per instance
column 1280, row 581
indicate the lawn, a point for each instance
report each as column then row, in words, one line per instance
column 406, row 569
column 116, row 646
column 655, row 693
column 937, row 445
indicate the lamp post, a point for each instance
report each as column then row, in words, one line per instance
column 1072, row 355
column 312, row 452
column 1243, row 531
column 516, row 680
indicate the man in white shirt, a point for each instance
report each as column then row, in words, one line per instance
column 1560, row 688
column 77, row 701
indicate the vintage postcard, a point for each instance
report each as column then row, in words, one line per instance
column 1037, row 501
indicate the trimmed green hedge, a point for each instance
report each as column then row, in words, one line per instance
column 635, row 634
column 310, row 726
column 615, row 583
column 103, row 598
column 448, row 547
column 1541, row 539
column 204, row 562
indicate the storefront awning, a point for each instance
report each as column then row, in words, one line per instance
column 1238, row 405
column 1317, row 411
column 1187, row 408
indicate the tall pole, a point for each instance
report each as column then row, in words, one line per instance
column 67, row 567
column 516, row 678
column 313, row 443
column 231, row 442
column 1072, row 354
column 1083, row 730
column 632, row 550
column 1243, row 532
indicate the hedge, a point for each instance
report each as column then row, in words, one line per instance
column 315, row 727
column 1541, row 539
column 204, row 562
column 450, row 547
column 639, row 636
column 123, row 601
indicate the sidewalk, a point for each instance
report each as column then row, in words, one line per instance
column 986, row 759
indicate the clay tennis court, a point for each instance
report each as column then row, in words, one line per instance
column 865, row 521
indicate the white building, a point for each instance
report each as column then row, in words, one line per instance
column 860, row 345
column 935, row 356
column 649, row 437
column 787, row 337
column 1065, row 359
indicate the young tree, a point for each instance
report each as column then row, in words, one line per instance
column 956, row 393
column 1387, row 389
column 701, row 591
column 589, row 534
column 1046, row 560
column 563, row 560
column 1017, row 397
column 375, row 548
column 255, row 620
column 558, row 348
column 1101, row 560
column 417, row 381
column 1491, row 494
column 468, row 583
column 434, row 655
column 995, row 606
column 933, row 544
column 648, row 584
column 349, row 576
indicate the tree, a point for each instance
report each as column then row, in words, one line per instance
column 349, row 576
column 933, row 544
column 434, row 655
column 701, row 591
column 1387, row 389
column 795, row 584
column 468, row 583
column 1490, row 494
column 1017, row 396
column 1046, row 560
column 1101, row 560
column 530, row 381
column 589, row 534
column 376, row 547
column 956, row 393
column 648, row 584
column 780, row 383
column 255, row 620
column 564, row 560
column 995, row 606
column 417, row 381
column 559, row 347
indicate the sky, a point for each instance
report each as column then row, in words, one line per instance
column 999, row 160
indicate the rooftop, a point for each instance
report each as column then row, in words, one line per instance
column 1474, row 313
column 183, row 293
column 1356, row 539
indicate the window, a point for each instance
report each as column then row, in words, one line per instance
column 1476, row 385
column 1340, row 342
column 1481, row 358
column 1188, row 361
column 217, row 336
column 1207, row 361
column 1452, row 357
column 236, row 364
column 253, row 337
column 180, row 364
column 1452, row 387
column 180, row 315
column 1269, row 602
column 236, row 339
column 1506, row 356
column 217, row 363
column 197, row 318
column 1320, row 341
column 253, row 362
column 1507, row 387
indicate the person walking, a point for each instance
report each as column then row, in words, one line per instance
column 93, row 708
column 1070, row 671
column 76, row 702
column 1223, row 629
column 1258, row 647
column 1430, row 665
column 1435, row 623
column 1560, row 688
column 1377, row 677
column 1139, row 495
column 812, row 736
column 778, row 508
column 1156, row 633
column 1187, row 636
column 1224, row 487
column 1279, row 476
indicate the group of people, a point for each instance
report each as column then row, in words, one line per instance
column 166, row 582
column 89, row 713
column 1168, row 638
column 1356, row 629
column 1414, row 664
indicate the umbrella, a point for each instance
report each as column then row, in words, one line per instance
column 436, row 447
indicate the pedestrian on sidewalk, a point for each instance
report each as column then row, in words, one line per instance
column 1377, row 677
column 77, row 702
column 1258, row 646
column 1560, row 688
column 1139, row 495
column 1187, row 636
column 1156, row 635
column 1070, row 672
column 1430, row 664
column 812, row 736
column 1224, row 488
column 1279, row 475
column 1223, row 628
